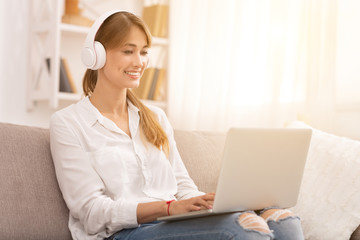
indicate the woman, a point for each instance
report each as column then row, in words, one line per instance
column 116, row 160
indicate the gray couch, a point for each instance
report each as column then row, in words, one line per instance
column 31, row 202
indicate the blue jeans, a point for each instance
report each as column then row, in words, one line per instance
column 216, row 227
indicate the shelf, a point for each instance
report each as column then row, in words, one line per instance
column 74, row 28
column 69, row 96
column 159, row 41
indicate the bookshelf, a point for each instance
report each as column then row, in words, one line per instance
column 50, row 38
column 153, row 84
column 47, row 35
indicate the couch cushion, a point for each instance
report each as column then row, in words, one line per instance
column 330, row 188
column 32, row 206
column 201, row 153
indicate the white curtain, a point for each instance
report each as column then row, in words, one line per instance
column 253, row 63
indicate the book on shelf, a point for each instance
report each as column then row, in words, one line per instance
column 159, row 91
column 156, row 18
column 145, row 83
column 64, row 83
column 157, row 85
column 69, row 76
column 151, row 84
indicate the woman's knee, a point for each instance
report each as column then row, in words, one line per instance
column 276, row 214
column 251, row 221
column 284, row 224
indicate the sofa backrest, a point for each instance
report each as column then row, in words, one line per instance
column 201, row 153
column 31, row 203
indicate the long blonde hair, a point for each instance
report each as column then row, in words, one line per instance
column 111, row 34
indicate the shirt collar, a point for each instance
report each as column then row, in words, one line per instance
column 132, row 107
column 88, row 111
column 92, row 115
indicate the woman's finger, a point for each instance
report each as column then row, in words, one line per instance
column 208, row 197
column 194, row 208
column 203, row 203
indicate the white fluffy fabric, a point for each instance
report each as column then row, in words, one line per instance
column 329, row 200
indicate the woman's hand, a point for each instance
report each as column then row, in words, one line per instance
column 192, row 204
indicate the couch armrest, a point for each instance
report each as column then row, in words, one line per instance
column 356, row 234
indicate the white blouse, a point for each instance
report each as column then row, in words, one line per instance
column 103, row 173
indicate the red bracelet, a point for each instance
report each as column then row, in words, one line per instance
column 168, row 208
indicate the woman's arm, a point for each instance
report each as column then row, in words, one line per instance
column 82, row 188
column 148, row 212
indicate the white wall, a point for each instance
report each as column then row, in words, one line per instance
column 347, row 93
column 348, row 53
column 13, row 72
column 2, row 33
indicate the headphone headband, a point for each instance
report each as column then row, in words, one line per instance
column 90, row 38
column 89, row 55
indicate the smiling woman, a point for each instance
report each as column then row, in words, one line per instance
column 116, row 159
column 130, row 44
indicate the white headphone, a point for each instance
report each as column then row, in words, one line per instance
column 93, row 54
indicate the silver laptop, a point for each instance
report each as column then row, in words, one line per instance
column 261, row 167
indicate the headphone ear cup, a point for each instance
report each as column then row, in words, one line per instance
column 88, row 57
column 100, row 55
